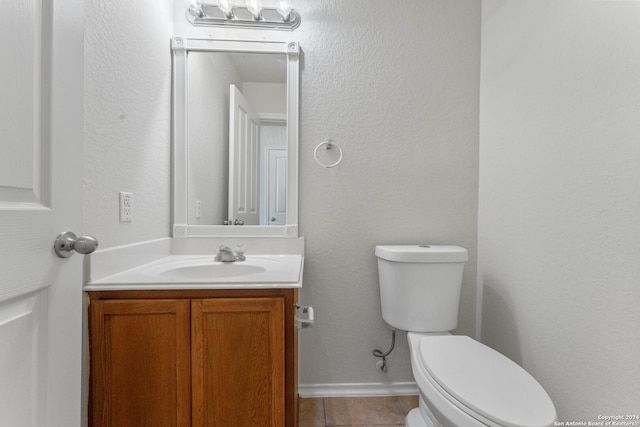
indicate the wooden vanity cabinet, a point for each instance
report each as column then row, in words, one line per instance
column 223, row 358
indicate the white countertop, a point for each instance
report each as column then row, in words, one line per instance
column 153, row 266
column 173, row 272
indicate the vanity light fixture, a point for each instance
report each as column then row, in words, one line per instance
column 252, row 15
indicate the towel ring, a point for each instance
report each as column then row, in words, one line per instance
column 328, row 146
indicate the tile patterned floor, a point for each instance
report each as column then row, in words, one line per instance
column 388, row 411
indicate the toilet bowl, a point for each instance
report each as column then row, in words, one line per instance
column 462, row 382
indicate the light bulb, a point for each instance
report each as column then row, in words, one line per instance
column 195, row 8
column 284, row 9
column 255, row 7
column 226, row 8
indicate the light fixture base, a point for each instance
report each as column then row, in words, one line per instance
column 242, row 18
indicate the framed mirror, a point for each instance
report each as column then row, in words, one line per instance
column 235, row 138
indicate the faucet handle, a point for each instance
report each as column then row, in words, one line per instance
column 240, row 252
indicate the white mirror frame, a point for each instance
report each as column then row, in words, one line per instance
column 181, row 46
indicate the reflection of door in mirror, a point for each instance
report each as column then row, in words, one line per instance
column 244, row 165
column 257, row 164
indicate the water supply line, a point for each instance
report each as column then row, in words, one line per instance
column 382, row 364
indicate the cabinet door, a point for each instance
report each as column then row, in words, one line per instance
column 238, row 362
column 140, row 364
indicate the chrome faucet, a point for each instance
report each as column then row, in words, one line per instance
column 225, row 254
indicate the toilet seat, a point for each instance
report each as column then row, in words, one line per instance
column 482, row 382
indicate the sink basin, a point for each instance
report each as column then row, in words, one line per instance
column 212, row 270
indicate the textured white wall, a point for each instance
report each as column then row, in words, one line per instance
column 559, row 226
column 127, row 118
column 399, row 92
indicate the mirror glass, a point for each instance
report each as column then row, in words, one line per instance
column 235, row 137
column 236, row 130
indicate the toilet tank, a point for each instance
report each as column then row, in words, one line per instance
column 420, row 286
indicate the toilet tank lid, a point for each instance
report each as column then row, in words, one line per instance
column 422, row 253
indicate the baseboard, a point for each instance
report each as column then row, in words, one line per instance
column 357, row 389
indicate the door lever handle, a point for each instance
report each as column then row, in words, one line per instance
column 66, row 243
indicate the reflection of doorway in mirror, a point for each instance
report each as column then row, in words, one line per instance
column 273, row 200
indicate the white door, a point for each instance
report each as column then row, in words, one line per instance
column 244, row 160
column 40, row 195
column 277, row 186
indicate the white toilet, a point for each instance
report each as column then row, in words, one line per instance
column 462, row 382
